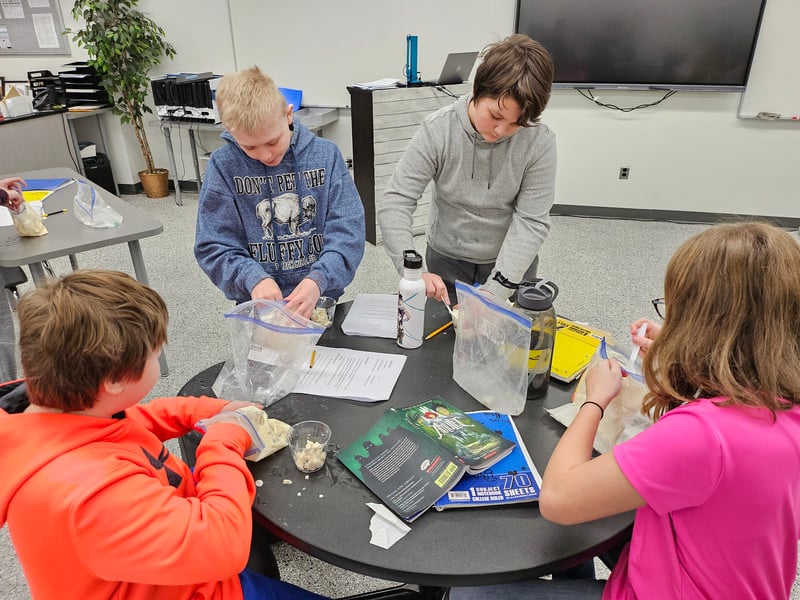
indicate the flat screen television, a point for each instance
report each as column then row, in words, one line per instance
column 644, row 44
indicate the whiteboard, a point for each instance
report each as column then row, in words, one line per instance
column 773, row 87
column 321, row 47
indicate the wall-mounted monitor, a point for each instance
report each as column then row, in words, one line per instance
column 641, row 44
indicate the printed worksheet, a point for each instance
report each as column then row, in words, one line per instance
column 352, row 374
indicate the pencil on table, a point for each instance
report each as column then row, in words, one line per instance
column 313, row 358
column 438, row 331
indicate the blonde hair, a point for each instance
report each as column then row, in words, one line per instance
column 732, row 326
column 248, row 100
column 88, row 326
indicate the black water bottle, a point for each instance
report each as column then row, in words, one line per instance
column 535, row 299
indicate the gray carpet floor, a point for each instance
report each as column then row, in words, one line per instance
column 607, row 272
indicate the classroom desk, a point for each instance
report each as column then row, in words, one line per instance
column 67, row 236
column 325, row 515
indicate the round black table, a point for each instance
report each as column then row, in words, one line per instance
column 326, row 515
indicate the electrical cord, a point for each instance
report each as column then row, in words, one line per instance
column 68, row 139
column 587, row 93
column 444, row 90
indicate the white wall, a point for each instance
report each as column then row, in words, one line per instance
column 690, row 153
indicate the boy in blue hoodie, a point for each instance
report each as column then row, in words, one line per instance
column 279, row 215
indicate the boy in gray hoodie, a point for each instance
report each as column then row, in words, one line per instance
column 279, row 215
column 493, row 166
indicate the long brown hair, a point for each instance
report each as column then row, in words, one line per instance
column 732, row 326
column 84, row 328
column 518, row 67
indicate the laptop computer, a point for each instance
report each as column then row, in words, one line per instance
column 456, row 68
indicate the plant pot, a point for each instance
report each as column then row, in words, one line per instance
column 155, row 183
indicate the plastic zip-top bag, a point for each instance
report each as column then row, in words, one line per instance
column 92, row 210
column 270, row 346
column 490, row 359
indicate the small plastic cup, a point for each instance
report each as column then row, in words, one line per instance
column 308, row 442
column 326, row 308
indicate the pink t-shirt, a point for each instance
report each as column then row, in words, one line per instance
column 722, row 487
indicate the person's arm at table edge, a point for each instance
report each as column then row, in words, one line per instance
column 344, row 232
column 221, row 247
column 576, row 487
column 530, row 223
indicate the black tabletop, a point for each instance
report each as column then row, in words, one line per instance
column 326, row 515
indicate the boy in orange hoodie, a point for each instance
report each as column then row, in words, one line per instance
column 96, row 506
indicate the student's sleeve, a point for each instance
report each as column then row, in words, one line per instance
column 221, row 246
column 168, row 418
column 530, row 222
column 395, row 210
column 128, row 526
column 674, row 464
column 344, row 232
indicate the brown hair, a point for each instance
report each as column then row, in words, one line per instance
column 247, row 100
column 518, row 67
column 731, row 329
column 88, row 326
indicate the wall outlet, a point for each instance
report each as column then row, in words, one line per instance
column 624, row 172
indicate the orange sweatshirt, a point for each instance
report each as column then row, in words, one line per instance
column 99, row 509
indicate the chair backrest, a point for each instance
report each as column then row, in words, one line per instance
column 11, row 277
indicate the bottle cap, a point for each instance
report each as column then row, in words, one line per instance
column 537, row 294
column 411, row 259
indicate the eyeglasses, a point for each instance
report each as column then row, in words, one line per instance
column 661, row 307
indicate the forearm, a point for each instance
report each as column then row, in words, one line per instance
column 575, row 446
column 168, row 418
column 520, row 247
column 336, row 266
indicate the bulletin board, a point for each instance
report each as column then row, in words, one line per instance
column 32, row 27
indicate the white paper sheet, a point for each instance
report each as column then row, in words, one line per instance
column 353, row 374
column 5, row 217
column 378, row 84
column 372, row 315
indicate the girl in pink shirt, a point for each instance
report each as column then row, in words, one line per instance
column 715, row 480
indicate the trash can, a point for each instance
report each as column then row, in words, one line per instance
column 98, row 170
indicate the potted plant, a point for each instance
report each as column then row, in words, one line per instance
column 123, row 44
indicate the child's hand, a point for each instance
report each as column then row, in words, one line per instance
column 237, row 404
column 303, row 299
column 603, row 382
column 652, row 331
column 266, row 289
column 13, row 187
column 435, row 287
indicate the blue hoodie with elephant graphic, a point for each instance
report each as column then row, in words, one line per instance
column 301, row 218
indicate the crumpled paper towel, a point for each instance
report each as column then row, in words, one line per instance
column 386, row 528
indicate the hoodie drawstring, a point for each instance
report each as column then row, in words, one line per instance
column 491, row 154
column 474, row 154
column 474, row 150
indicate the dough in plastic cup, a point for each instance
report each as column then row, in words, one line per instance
column 308, row 442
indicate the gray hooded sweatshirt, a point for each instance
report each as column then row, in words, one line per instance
column 492, row 199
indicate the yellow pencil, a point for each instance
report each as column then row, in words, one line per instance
column 313, row 358
column 438, row 331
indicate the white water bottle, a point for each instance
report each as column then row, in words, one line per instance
column 411, row 302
